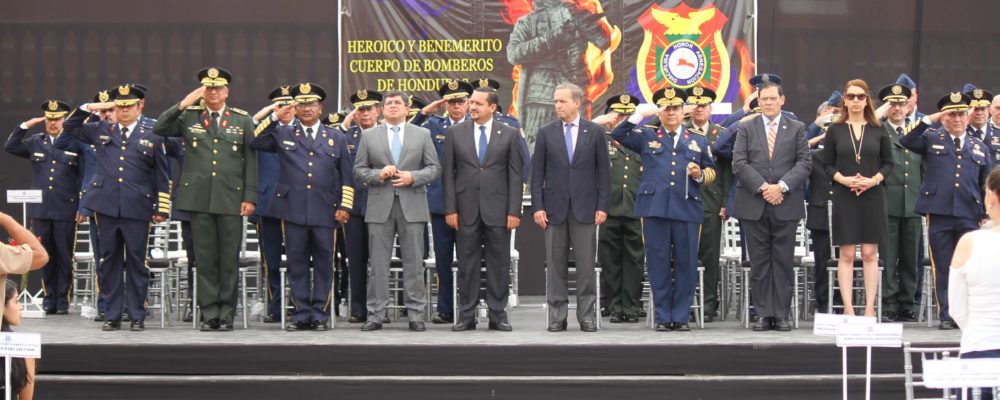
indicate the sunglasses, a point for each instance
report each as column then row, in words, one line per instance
column 856, row 96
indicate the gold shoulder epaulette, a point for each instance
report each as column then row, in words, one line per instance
column 195, row 108
column 238, row 111
column 696, row 131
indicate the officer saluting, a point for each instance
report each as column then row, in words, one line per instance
column 57, row 175
column 313, row 196
column 218, row 188
column 131, row 188
column 676, row 163
column 619, row 249
column 951, row 194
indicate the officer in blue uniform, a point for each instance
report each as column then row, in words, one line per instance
column 676, row 162
column 456, row 94
column 979, row 116
column 313, row 196
column 952, row 191
column 992, row 138
column 266, row 216
column 57, row 175
column 367, row 107
column 131, row 188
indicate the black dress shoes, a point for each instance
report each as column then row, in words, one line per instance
column 762, row 324
column 210, row 325
column 321, row 325
column 502, row 326
column 371, row 326
column 557, row 326
column 62, row 312
column 50, row 312
column 443, row 318
column 417, row 326
column 907, row 316
column 356, row 319
column 99, row 317
column 460, row 327
column 111, row 326
column 137, row 326
column 682, row 327
column 588, row 326
column 225, row 325
column 890, row 316
column 667, row 327
column 299, row 326
column 782, row 325
column 947, row 325
column 386, row 320
column 632, row 319
column 271, row 319
column 617, row 318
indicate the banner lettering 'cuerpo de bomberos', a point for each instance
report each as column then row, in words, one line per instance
column 608, row 48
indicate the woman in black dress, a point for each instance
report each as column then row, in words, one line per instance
column 857, row 155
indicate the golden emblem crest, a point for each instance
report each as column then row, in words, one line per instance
column 53, row 105
column 669, row 93
column 624, row 99
column 305, row 88
column 213, row 73
column 362, row 94
column 123, row 90
column 698, row 91
column 955, row 97
column 285, row 91
column 334, row 118
column 484, row 83
column 978, row 93
column 896, row 89
column 103, row 96
column 452, row 85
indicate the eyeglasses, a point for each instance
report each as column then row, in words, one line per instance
column 856, row 96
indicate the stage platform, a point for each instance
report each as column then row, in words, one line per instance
column 723, row 360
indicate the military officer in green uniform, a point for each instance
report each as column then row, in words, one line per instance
column 713, row 196
column 901, row 252
column 620, row 248
column 218, row 188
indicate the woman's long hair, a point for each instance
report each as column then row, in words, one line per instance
column 18, row 369
column 869, row 107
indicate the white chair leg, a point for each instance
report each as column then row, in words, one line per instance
column 701, row 298
column 454, row 293
column 597, row 311
column 284, row 300
column 545, row 303
column 243, row 297
column 196, row 309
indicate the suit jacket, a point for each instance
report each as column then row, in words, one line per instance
column 490, row 190
column 753, row 168
column 583, row 184
column 417, row 156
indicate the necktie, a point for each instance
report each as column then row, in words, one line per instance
column 215, row 121
column 673, row 136
column 124, row 133
column 312, row 136
column 483, row 144
column 899, row 130
column 979, row 134
column 397, row 145
column 958, row 144
column 569, row 141
column 772, row 133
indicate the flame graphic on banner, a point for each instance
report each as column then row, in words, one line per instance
column 598, row 61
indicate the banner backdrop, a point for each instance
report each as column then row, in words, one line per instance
column 608, row 48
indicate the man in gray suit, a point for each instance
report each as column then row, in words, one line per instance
column 397, row 160
column 570, row 193
column 482, row 202
column 771, row 163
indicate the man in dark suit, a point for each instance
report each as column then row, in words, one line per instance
column 482, row 202
column 771, row 162
column 570, row 192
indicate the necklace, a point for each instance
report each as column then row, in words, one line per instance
column 857, row 145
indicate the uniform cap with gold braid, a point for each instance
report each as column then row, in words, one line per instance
column 979, row 98
column 455, row 89
column 365, row 98
column 127, row 95
column 954, row 102
column 759, row 79
column 755, row 106
column 282, row 95
column 308, row 93
column 669, row 97
column 103, row 96
column 214, row 76
column 416, row 104
column 334, row 119
column 698, row 95
column 55, row 109
column 895, row 93
column 622, row 104
column 487, row 83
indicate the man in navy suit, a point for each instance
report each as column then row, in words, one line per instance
column 570, row 192
column 314, row 196
column 57, row 175
column 131, row 188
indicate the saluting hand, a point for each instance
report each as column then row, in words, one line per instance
column 192, row 98
column 606, row 119
column 95, row 107
column 433, row 107
column 34, row 121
